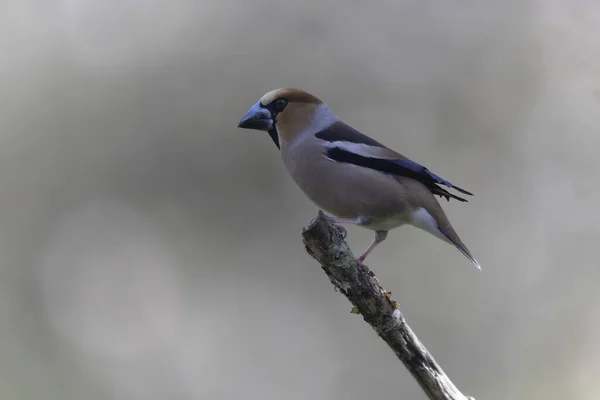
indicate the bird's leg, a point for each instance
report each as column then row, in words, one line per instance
column 379, row 237
column 335, row 220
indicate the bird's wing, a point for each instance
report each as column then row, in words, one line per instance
column 348, row 145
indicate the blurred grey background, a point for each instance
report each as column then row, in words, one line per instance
column 151, row 250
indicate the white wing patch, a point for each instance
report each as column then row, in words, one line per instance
column 361, row 149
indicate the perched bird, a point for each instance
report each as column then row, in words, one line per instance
column 349, row 175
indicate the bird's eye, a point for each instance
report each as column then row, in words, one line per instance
column 280, row 104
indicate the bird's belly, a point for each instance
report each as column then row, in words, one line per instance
column 352, row 192
column 386, row 224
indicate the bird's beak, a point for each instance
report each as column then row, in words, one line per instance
column 258, row 118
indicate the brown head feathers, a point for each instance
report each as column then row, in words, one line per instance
column 292, row 95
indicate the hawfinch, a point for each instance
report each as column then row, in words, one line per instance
column 349, row 175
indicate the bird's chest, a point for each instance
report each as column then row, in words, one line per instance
column 310, row 169
column 323, row 181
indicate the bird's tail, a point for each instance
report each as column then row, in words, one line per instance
column 463, row 249
column 441, row 229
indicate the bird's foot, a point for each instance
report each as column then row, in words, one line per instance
column 343, row 231
column 336, row 221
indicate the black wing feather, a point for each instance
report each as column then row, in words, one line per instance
column 400, row 167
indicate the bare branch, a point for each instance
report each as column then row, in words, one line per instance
column 325, row 242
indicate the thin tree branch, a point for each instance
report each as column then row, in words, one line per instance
column 325, row 242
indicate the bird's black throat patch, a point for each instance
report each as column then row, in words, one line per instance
column 274, row 136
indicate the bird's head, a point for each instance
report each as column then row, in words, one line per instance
column 283, row 113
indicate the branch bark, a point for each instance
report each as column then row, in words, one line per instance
column 325, row 242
